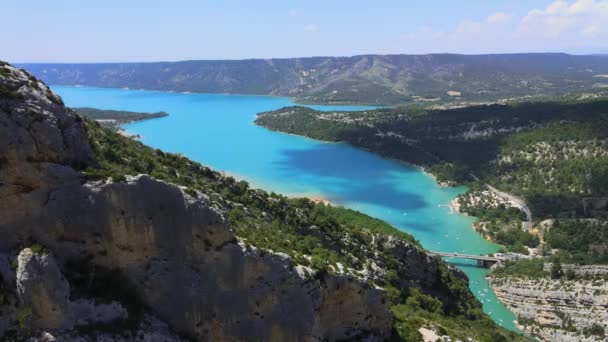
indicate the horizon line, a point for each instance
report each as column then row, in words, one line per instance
column 323, row 56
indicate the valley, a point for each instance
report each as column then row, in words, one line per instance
column 551, row 155
column 97, row 234
column 306, row 171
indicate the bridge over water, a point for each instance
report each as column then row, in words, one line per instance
column 482, row 260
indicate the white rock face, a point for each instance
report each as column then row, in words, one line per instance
column 187, row 265
column 553, row 303
column 42, row 289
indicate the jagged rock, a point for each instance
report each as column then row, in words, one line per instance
column 43, row 337
column 40, row 140
column 43, row 289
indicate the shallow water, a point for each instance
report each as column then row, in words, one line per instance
column 218, row 131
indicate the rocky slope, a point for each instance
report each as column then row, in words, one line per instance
column 139, row 258
column 384, row 79
column 557, row 309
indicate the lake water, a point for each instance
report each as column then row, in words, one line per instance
column 218, row 131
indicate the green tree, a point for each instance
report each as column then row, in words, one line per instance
column 570, row 274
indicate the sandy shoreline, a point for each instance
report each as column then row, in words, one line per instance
column 455, row 205
column 317, row 198
column 313, row 197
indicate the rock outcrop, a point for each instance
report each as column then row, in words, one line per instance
column 42, row 288
column 556, row 310
column 45, row 293
column 580, row 270
column 165, row 240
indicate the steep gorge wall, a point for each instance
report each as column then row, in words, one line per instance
column 558, row 310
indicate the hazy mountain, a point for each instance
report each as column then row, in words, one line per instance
column 385, row 79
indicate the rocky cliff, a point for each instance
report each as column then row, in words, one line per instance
column 91, row 258
column 557, row 309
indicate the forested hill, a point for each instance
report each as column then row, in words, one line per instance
column 373, row 79
column 555, row 154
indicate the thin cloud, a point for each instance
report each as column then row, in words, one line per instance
column 311, row 28
column 562, row 24
column 566, row 21
column 499, row 18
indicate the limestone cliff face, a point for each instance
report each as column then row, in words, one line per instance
column 186, row 264
column 553, row 305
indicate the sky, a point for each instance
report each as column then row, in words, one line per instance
column 170, row 30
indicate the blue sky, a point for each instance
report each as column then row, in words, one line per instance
column 154, row 30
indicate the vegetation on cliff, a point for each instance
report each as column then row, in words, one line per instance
column 553, row 154
column 580, row 241
column 322, row 237
column 497, row 219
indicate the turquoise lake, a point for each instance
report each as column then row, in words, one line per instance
column 218, row 131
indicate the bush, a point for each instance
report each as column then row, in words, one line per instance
column 418, row 301
column 556, row 270
column 570, row 274
column 524, row 268
column 596, row 330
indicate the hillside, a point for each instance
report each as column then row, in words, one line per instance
column 554, row 154
column 104, row 238
column 554, row 301
column 371, row 79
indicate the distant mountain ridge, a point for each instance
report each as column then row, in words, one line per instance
column 373, row 79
